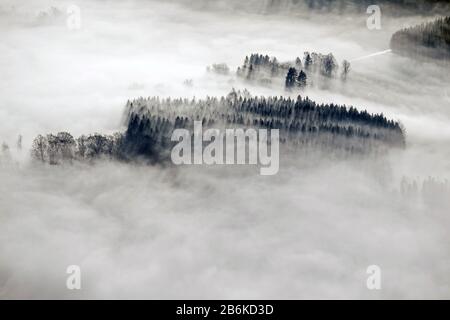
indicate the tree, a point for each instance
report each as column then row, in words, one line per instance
column 81, row 147
column 19, row 142
column 52, row 148
column 5, row 154
column 274, row 68
column 291, row 78
column 5, row 147
column 39, row 148
column 250, row 72
column 298, row 63
column 307, row 61
column 95, row 144
column 328, row 65
column 65, row 146
column 301, row 79
column 345, row 69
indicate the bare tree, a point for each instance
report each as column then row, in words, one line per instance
column 39, row 148
column 345, row 69
column 65, row 146
column 19, row 142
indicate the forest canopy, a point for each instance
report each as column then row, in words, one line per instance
column 315, row 67
column 428, row 40
column 302, row 122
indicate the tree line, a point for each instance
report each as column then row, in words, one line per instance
column 296, row 73
column 63, row 147
column 343, row 6
column 151, row 121
column 429, row 40
column 301, row 121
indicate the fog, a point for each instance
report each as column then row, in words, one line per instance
column 223, row 232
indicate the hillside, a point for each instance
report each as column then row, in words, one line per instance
column 428, row 40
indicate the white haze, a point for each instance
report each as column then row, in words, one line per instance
column 148, row 232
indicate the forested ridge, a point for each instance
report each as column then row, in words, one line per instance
column 302, row 122
column 396, row 6
column 430, row 40
column 306, row 7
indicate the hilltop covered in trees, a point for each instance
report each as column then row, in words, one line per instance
column 428, row 40
column 305, row 7
column 302, row 122
column 396, row 7
column 298, row 73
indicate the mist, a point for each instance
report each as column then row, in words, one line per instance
column 140, row 231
